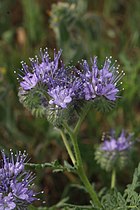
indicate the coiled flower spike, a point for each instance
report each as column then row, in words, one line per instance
column 101, row 82
column 113, row 152
column 48, row 87
column 15, row 182
column 52, row 90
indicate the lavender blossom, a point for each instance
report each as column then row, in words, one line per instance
column 6, row 202
column 29, row 81
column 50, row 89
column 61, row 97
column 114, row 152
column 62, row 85
column 15, row 192
column 101, row 82
column 44, row 71
column 59, row 84
column 123, row 142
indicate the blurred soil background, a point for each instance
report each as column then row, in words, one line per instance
column 82, row 28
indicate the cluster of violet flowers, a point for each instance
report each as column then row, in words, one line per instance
column 64, row 86
column 114, row 151
column 15, row 182
column 119, row 144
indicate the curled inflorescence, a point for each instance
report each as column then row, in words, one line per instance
column 48, row 86
column 114, row 151
column 15, row 182
column 101, row 82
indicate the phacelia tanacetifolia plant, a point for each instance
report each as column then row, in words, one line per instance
column 62, row 93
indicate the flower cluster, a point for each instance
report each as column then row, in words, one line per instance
column 48, row 83
column 15, row 182
column 101, row 82
column 113, row 152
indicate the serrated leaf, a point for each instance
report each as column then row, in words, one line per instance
column 130, row 194
column 69, row 167
column 113, row 200
column 55, row 165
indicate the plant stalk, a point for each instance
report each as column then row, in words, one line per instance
column 113, row 179
column 81, row 172
column 67, row 147
column 78, row 160
column 81, row 118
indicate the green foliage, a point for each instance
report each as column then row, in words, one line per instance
column 131, row 194
column 114, row 200
column 33, row 21
column 55, row 166
column 70, row 29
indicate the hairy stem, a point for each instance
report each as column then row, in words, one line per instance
column 81, row 173
column 113, row 179
column 78, row 160
column 81, row 118
column 67, row 147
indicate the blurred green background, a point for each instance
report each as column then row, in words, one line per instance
column 82, row 28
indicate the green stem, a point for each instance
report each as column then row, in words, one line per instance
column 78, row 164
column 67, row 146
column 132, row 207
column 81, row 172
column 113, row 179
column 78, row 125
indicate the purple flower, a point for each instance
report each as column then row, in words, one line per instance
column 59, row 84
column 6, row 202
column 109, row 145
column 15, row 182
column 44, row 71
column 61, row 97
column 123, row 142
column 100, row 82
column 29, row 81
column 114, row 151
column 12, row 167
column 49, row 85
